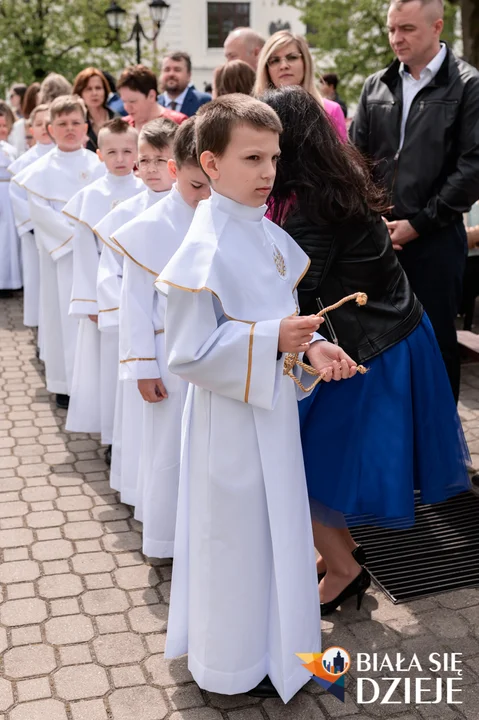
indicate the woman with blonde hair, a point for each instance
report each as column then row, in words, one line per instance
column 235, row 76
column 286, row 60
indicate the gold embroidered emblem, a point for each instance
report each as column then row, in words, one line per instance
column 279, row 261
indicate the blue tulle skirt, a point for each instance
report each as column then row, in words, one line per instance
column 373, row 443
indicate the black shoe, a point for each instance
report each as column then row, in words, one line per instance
column 359, row 554
column 108, row 455
column 62, row 401
column 357, row 587
column 6, row 294
column 265, row 689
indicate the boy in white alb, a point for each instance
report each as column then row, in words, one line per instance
column 51, row 182
column 10, row 260
column 244, row 594
column 92, row 401
column 154, row 151
column 19, row 197
column 148, row 242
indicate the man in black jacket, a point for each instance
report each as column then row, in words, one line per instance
column 419, row 121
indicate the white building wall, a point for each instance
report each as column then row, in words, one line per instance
column 186, row 29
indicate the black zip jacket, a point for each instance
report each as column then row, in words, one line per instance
column 435, row 176
column 355, row 257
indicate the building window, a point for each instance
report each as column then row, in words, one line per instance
column 223, row 17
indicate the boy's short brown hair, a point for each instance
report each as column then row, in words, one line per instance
column 138, row 78
column 158, row 133
column 7, row 113
column 67, row 104
column 116, row 126
column 216, row 120
column 184, row 146
column 44, row 107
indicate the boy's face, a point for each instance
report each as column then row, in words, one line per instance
column 69, row 130
column 153, row 167
column 191, row 181
column 39, row 128
column 4, row 128
column 118, row 152
column 247, row 169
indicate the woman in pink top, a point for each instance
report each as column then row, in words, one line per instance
column 286, row 60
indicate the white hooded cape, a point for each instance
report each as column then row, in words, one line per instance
column 244, row 593
column 128, row 420
column 30, row 256
column 148, row 243
column 51, row 182
column 10, row 259
column 92, row 401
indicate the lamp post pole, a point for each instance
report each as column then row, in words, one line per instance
column 116, row 17
column 138, row 30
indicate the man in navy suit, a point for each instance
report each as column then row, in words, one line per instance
column 177, row 93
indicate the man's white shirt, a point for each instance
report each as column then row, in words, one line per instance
column 411, row 86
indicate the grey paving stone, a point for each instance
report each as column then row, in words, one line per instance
column 137, row 702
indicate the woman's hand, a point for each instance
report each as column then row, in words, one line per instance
column 331, row 361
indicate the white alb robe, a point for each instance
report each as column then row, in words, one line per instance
column 92, row 402
column 127, row 424
column 30, row 256
column 148, row 242
column 10, row 261
column 51, row 182
column 244, row 594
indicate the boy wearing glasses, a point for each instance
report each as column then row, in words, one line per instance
column 155, row 148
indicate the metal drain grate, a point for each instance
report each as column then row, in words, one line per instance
column 440, row 553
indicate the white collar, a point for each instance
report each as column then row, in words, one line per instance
column 236, row 209
column 432, row 68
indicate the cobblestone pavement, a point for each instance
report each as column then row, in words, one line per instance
column 83, row 613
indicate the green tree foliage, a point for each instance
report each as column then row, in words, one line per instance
column 42, row 36
column 350, row 37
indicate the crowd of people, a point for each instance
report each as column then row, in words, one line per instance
column 177, row 253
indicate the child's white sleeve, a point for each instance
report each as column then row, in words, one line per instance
column 56, row 229
column 235, row 359
column 137, row 331
column 85, row 271
column 110, row 274
column 20, row 206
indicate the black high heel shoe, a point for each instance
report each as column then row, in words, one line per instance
column 265, row 689
column 359, row 554
column 357, row 587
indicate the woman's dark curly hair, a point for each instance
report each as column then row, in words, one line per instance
column 319, row 176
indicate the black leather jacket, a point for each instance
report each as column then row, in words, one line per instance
column 349, row 258
column 434, row 178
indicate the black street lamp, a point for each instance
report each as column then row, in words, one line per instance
column 116, row 17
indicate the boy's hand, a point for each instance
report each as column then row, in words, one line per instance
column 296, row 332
column 331, row 361
column 152, row 391
column 93, row 318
